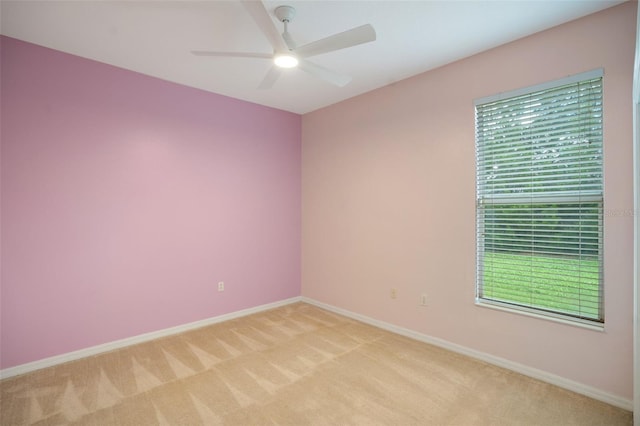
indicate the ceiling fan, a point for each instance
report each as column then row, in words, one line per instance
column 286, row 54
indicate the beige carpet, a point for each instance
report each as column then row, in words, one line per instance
column 295, row 365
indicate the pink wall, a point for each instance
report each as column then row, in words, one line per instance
column 125, row 199
column 388, row 184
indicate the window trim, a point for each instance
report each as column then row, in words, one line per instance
column 575, row 78
column 594, row 196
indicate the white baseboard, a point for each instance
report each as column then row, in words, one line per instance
column 491, row 359
column 106, row 347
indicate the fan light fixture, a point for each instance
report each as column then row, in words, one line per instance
column 286, row 61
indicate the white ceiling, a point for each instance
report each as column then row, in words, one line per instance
column 156, row 37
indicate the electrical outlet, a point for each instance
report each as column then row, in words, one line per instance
column 423, row 299
column 394, row 293
column 220, row 286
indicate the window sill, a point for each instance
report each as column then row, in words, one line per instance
column 550, row 317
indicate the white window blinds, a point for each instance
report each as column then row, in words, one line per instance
column 539, row 200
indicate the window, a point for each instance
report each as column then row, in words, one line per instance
column 539, row 200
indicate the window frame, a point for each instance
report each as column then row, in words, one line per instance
column 579, row 197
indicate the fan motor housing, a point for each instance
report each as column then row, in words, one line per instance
column 285, row 13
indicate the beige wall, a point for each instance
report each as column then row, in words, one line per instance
column 389, row 201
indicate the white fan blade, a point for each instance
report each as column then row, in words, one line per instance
column 261, row 17
column 232, row 54
column 332, row 77
column 270, row 78
column 352, row 37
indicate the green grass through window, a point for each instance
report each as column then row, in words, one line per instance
column 567, row 285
